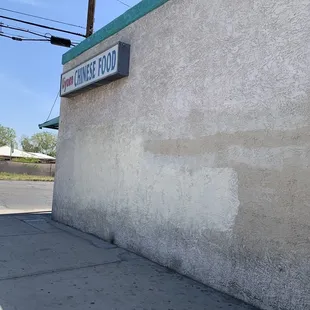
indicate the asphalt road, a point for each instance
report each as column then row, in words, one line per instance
column 20, row 196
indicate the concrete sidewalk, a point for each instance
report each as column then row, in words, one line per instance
column 46, row 265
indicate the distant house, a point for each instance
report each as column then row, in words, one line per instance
column 6, row 154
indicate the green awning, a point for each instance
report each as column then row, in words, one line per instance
column 51, row 124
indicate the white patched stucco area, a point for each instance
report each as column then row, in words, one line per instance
column 200, row 159
column 196, row 198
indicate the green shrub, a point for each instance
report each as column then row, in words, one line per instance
column 24, row 177
column 26, row 160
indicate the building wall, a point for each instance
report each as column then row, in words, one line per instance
column 25, row 168
column 200, row 159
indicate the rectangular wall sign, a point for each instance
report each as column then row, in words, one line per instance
column 104, row 68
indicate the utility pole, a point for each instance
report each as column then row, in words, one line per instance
column 90, row 17
column 11, row 150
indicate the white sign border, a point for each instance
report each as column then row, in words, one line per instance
column 120, row 72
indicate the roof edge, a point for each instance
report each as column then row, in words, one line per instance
column 133, row 14
column 50, row 124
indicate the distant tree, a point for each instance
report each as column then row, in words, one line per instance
column 43, row 142
column 27, row 145
column 7, row 136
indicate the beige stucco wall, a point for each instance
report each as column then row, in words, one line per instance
column 200, row 159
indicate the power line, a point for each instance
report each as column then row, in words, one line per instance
column 120, row 1
column 4, row 35
column 43, row 18
column 11, row 34
column 36, row 40
column 23, row 30
column 53, row 40
column 52, row 107
column 42, row 26
column 18, row 38
column 37, row 32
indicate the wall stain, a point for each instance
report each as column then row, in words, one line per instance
column 221, row 141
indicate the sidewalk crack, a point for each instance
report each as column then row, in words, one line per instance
column 47, row 272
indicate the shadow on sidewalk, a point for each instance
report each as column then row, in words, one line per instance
column 47, row 265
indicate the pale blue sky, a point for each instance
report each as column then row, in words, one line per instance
column 30, row 71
